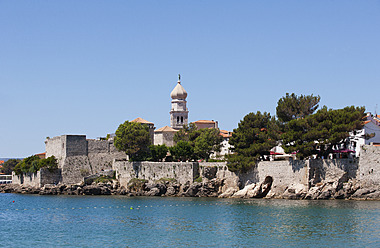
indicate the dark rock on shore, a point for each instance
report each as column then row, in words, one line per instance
column 351, row 189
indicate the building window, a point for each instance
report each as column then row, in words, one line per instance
column 177, row 119
column 181, row 119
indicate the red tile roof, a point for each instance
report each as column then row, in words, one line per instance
column 204, row 122
column 141, row 120
column 166, row 129
column 225, row 134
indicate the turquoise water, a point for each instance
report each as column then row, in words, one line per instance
column 119, row 221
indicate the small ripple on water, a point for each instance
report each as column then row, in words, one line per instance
column 182, row 222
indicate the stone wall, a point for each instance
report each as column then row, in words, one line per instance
column 76, row 145
column 98, row 146
column 79, row 157
column 331, row 170
column 75, row 168
column 39, row 179
column 369, row 165
column 285, row 174
column 164, row 138
column 183, row 172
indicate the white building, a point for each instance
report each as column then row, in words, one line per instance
column 368, row 135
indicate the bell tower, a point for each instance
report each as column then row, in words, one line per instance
column 179, row 112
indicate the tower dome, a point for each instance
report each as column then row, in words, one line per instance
column 178, row 92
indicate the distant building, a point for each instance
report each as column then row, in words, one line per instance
column 41, row 155
column 368, row 135
column 164, row 136
column 150, row 126
column 206, row 124
column 226, row 147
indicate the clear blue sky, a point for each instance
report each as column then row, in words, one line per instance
column 84, row 67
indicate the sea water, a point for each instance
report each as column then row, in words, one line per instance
column 120, row 221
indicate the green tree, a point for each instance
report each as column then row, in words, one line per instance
column 158, row 152
column 208, row 142
column 49, row 163
column 9, row 165
column 204, row 141
column 321, row 132
column 187, row 133
column 133, row 138
column 293, row 107
column 182, row 151
column 255, row 136
column 33, row 164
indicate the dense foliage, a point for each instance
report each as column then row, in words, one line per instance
column 9, row 165
column 298, row 128
column 321, row 132
column 133, row 138
column 33, row 164
column 157, row 152
column 293, row 107
column 182, row 151
column 255, row 136
column 204, row 141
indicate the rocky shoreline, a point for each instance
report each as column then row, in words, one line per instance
column 351, row 190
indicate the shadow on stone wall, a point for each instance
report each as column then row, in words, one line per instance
column 297, row 165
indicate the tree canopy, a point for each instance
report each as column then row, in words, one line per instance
column 9, row 165
column 33, row 164
column 133, row 138
column 293, row 107
column 204, row 141
column 255, row 136
column 157, row 152
column 321, row 132
column 182, row 151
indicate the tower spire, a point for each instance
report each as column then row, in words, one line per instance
column 179, row 112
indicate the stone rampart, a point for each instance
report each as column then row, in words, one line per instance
column 369, row 165
column 79, row 157
column 331, row 170
column 76, row 145
column 183, row 172
column 39, row 179
column 98, row 146
column 75, row 168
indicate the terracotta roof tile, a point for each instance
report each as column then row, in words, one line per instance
column 141, row 120
column 204, row 122
column 166, row 129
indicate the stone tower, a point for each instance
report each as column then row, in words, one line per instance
column 179, row 113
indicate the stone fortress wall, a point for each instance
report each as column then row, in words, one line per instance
column 369, row 165
column 285, row 174
column 39, row 179
column 182, row 172
column 79, row 157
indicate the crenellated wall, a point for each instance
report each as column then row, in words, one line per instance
column 39, row 179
